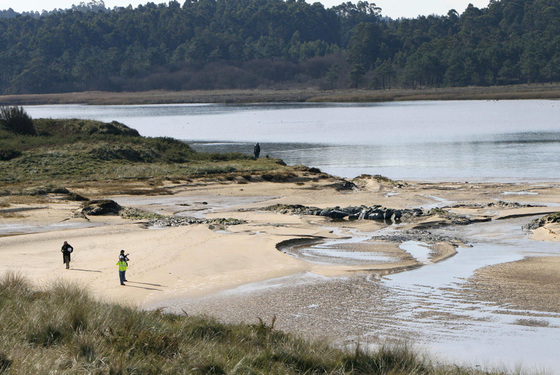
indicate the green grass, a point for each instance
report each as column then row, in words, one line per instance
column 61, row 329
column 74, row 151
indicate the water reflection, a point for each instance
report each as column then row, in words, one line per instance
column 472, row 160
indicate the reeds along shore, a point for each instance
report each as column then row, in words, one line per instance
column 514, row 92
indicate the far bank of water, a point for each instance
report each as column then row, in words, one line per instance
column 447, row 140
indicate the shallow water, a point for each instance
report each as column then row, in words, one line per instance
column 424, row 306
column 419, row 251
column 489, row 335
column 13, row 229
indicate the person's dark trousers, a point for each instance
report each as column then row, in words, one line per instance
column 122, row 277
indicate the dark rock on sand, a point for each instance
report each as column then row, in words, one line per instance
column 537, row 223
column 101, row 207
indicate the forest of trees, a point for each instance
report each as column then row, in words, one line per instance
column 220, row 44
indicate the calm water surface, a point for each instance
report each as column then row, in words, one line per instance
column 457, row 140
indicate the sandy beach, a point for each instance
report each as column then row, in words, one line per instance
column 180, row 268
column 197, row 260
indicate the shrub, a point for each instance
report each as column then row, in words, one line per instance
column 16, row 120
column 77, row 127
column 9, row 154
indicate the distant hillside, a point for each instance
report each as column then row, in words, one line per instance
column 244, row 44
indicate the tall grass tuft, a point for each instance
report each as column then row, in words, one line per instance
column 16, row 120
column 13, row 284
column 5, row 363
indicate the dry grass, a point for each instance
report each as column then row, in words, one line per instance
column 535, row 91
column 61, row 329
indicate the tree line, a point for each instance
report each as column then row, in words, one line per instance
column 221, row 44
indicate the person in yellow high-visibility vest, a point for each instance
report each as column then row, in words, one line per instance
column 123, row 265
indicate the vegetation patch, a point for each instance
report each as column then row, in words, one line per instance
column 63, row 329
column 76, row 151
column 138, row 214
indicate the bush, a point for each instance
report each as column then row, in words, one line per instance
column 9, row 154
column 172, row 150
column 82, row 128
column 16, row 120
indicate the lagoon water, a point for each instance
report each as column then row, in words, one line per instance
column 436, row 140
column 462, row 141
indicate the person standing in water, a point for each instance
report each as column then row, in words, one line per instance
column 66, row 251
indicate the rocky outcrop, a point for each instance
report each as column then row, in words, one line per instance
column 505, row 204
column 150, row 219
column 452, row 217
column 343, row 185
column 420, row 236
column 376, row 212
column 101, row 207
column 176, row 221
column 537, row 223
column 499, row 204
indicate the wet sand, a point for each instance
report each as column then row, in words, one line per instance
column 237, row 274
column 530, row 284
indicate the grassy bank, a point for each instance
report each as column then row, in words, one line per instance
column 537, row 91
column 62, row 330
column 85, row 152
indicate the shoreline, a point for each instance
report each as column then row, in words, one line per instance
column 218, row 257
column 515, row 92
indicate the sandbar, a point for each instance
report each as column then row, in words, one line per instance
column 198, row 260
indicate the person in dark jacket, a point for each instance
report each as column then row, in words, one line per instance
column 257, row 150
column 66, row 250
